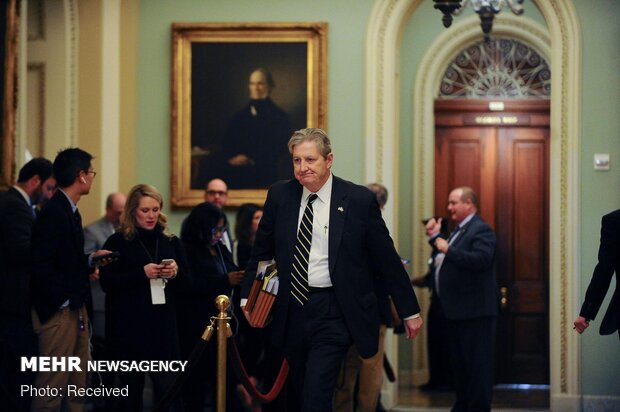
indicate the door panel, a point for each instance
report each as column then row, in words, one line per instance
column 508, row 166
column 522, row 264
column 465, row 157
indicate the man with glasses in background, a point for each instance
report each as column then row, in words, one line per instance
column 216, row 193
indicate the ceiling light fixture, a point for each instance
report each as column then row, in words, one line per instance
column 486, row 9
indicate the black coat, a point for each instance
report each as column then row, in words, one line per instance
column 16, row 221
column 209, row 268
column 59, row 266
column 135, row 328
column 467, row 284
column 608, row 264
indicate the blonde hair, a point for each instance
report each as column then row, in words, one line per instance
column 128, row 226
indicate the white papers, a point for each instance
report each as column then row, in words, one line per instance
column 272, row 285
column 264, row 267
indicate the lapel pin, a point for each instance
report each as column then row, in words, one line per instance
column 341, row 209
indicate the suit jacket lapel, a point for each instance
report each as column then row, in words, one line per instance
column 291, row 213
column 337, row 212
column 76, row 229
column 463, row 230
column 16, row 194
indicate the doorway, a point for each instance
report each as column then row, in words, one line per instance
column 504, row 156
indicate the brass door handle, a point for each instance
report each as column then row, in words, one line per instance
column 504, row 299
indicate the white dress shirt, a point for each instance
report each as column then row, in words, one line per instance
column 440, row 256
column 318, row 263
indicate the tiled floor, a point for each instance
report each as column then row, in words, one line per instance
column 413, row 399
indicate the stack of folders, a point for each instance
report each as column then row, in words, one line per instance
column 263, row 293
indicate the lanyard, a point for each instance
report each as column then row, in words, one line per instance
column 147, row 251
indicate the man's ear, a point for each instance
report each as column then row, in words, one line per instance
column 330, row 160
column 34, row 182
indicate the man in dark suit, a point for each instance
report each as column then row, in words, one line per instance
column 60, row 279
column 16, row 336
column 608, row 264
column 328, row 239
column 467, row 291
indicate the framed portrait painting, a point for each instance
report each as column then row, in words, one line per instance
column 238, row 93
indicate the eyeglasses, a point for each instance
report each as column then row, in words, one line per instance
column 216, row 193
column 93, row 172
column 219, row 229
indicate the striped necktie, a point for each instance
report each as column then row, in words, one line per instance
column 299, row 278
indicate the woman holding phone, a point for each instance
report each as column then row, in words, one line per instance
column 140, row 291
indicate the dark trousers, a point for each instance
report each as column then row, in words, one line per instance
column 317, row 340
column 17, row 339
column 438, row 342
column 471, row 344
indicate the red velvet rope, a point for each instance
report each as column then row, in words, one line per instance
column 242, row 375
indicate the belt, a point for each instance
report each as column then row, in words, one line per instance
column 314, row 289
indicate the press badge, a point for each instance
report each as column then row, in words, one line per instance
column 158, row 296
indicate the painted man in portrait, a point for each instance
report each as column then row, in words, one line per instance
column 254, row 146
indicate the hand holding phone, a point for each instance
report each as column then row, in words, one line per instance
column 168, row 268
column 105, row 258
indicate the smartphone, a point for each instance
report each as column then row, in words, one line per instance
column 111, row 255
column 166, row 262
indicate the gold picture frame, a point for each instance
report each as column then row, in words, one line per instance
column 8, row 74
column 211, row 105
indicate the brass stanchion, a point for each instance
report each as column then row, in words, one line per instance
column 222, row 303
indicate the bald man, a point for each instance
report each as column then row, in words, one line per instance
column 465, row 288
column 98, row 232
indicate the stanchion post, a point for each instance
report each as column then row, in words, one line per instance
column 222, row 303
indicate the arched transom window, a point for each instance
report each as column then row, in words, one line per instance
column 498, row 69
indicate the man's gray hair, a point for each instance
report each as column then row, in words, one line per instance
column 311, row 134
